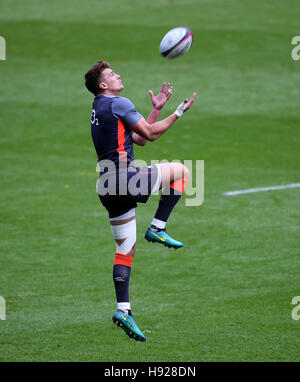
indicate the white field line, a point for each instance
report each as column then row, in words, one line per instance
column 260, row 189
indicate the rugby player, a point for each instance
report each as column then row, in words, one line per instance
column 116, row 126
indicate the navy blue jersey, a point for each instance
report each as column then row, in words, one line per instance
column 111, row 120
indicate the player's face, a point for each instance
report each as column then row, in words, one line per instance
column 111, row 82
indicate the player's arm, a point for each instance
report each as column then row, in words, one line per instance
column 151, row 132
column 138, row 140
column 158, row 103
column 154, row 131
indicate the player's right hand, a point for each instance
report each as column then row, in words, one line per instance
column 185, row 105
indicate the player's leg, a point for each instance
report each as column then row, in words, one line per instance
column 124, row 232
column 174, row 178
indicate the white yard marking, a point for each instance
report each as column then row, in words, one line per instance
column 260, row 189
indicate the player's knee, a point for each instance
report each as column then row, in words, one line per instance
column 182, row 172
column 125, row 237
column 186, row 173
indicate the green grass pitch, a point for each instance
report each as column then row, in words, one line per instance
column 226, row 296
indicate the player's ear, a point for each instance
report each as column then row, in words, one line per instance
column 102, row 86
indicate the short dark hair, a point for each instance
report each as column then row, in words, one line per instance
column 92, row 77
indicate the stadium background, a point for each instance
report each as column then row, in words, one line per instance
column 226, row 296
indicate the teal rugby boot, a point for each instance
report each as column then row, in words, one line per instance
column 128, row 324
column 162, row 237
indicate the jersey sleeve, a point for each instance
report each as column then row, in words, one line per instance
column 124, row 110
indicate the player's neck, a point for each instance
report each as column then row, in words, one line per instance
column 110, row 92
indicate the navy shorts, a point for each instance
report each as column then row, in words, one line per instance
column 120, row 191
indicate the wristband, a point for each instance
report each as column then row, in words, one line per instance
column 180, row 109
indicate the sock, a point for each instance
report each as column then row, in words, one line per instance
column 169, row 199
column 158, row 225
column 121, row 276
column 125, row 307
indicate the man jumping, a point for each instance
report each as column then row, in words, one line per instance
column 115, row 126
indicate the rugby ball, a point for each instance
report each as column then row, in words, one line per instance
column 176, row 42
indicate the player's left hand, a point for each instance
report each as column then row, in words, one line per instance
column 162, row 97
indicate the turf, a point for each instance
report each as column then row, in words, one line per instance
column 226, row 296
